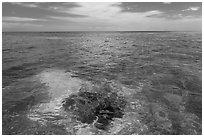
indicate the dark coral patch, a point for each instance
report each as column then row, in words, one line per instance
column 96, row 107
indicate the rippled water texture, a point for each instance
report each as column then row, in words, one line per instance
column 102, row 83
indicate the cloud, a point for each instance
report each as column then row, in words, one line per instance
column 105, row 10
column 192, row 9
column 20, row 19
column 110, row 12
column 152, row 13
column 52, row 7
column 108, row 16
column 30, row 5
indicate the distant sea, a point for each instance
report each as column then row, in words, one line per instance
column 159, row 74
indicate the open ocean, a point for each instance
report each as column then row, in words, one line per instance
column 102, row 83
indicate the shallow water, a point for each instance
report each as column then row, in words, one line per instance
column 157, row 73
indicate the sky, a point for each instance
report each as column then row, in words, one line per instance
column 102, row 16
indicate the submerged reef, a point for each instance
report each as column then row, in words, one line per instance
column 97, row 107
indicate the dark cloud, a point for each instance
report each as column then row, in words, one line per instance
column 42, row 9
column 174, row 10
column 116, row 16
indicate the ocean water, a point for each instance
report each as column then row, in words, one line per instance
column 157, row 74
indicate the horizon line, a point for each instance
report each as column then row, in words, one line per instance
column 115, row 31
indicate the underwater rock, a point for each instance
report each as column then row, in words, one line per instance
column 97, row 108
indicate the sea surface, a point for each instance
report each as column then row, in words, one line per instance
column 56, row 83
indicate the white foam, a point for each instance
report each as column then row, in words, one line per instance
column 59, row 85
